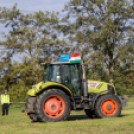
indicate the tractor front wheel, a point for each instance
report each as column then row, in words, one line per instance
column 108, row 106
column 53, row 105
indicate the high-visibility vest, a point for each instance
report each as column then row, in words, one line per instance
column 5, row 98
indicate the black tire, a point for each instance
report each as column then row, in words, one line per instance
column 30, row 108
column 108, row 106
column 90, row 113
column 53, row 97
column 33, row 117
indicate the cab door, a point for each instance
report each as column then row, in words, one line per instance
column 71, row 78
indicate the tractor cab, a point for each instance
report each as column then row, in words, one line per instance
column 66, row 73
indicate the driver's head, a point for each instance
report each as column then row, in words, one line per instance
column 5, row 91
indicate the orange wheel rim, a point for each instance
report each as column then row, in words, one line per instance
column 109, row 107
column 54, row 106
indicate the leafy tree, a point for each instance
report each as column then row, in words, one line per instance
column 33, row 37
column 103, row 30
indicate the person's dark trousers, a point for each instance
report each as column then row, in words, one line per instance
column 5, row 108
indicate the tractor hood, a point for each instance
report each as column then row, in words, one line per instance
column 98, row 86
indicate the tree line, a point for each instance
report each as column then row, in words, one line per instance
column 102, row 31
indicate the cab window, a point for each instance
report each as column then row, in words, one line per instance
column 70, row 74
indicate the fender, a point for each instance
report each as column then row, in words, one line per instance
column 102, row 93
column 95, row 98
column 40, row 87
column 56, row 86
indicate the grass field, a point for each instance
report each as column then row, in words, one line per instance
column 78, row 123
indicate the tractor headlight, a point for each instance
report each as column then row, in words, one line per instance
column 40, row 87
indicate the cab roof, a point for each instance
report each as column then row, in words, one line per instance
column 55, row 63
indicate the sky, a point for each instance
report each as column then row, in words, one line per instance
column 31, row 6
column 35, row 5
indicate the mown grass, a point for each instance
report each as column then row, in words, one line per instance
column 78, row 123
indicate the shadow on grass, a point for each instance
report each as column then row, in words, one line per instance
column 77, row 117
column 71, row 118
column 124, row 115
column 82, row 117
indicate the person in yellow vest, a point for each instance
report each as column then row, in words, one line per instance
column 5, row 100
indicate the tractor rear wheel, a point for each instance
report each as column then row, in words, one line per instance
column 33, row 117
column 108, row 106
column 30, row 108
column 53, row 105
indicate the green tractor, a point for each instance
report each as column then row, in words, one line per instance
column 64, row 88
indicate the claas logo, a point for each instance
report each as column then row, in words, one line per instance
column 92, row 83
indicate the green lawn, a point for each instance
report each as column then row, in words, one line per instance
column 78, row 123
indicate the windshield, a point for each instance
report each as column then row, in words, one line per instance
column 52, row 73
column 55, row 73
column 46, row 73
